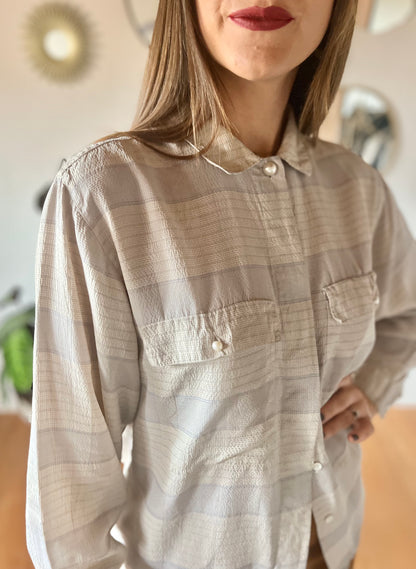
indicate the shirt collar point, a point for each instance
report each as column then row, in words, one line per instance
column 232, row 157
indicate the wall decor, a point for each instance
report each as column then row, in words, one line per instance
column 380, row 16
column 367, row 126
column 362, row 120
column 59, row 41
column 141, row 16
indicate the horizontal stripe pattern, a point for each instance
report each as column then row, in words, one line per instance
column 210, row 310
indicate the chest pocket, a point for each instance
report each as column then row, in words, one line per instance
column 211, row 335
column 351, row 308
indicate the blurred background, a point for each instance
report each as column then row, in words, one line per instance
column 71, row 74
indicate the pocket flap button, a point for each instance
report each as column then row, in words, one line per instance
column 217, row 345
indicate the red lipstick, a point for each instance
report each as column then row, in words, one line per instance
column 256, row 18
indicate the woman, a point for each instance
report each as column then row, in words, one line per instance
column 238, row 291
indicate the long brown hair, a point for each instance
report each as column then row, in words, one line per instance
column 182, row 89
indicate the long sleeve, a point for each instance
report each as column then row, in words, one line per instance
column 85, row 391
column 383, row 373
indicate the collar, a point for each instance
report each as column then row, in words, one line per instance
column 230, row 154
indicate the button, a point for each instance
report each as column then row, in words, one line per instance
column 270, row 168
column 217, row 345
column 317, row 466
column 377, row 299
column 329, row 518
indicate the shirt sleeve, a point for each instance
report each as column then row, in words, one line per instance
column 85, row 392
column 382, row 375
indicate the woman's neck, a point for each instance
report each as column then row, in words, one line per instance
column 258, row 110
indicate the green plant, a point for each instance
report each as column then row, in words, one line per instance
column 16, row 343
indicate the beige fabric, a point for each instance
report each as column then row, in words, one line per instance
column 315, row 558
column 215, row 307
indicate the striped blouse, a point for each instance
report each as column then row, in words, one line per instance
column 212, row 305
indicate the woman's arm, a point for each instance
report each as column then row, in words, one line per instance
column 382, row 375
column 378, row 382
column 85, row 391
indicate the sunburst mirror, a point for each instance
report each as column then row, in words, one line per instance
column 59, row 41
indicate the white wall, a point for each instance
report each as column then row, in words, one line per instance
column 43, row 122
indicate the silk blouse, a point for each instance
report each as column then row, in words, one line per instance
column 212, row 306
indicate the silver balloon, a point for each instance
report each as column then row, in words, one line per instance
column 361, row 120
column 367, row 128
column 379, row 16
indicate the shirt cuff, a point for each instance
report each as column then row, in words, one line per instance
column 382, row 384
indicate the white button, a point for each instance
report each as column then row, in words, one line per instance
column 270, row 168
column 329, row 518
column 377, row 299
column 317, row 466
column 217, row 345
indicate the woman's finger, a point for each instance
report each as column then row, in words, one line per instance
column 345, row 418
column 342, row 399
column 361, row 430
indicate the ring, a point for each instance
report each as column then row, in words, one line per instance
column 355, row 413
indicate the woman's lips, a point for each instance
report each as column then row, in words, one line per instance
column 256, row 18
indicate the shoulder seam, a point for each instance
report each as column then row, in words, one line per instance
column 90, row 148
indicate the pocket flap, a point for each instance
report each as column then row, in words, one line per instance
column 352, row 297
column 212, row 334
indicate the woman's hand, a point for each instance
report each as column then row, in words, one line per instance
column 349, row 408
